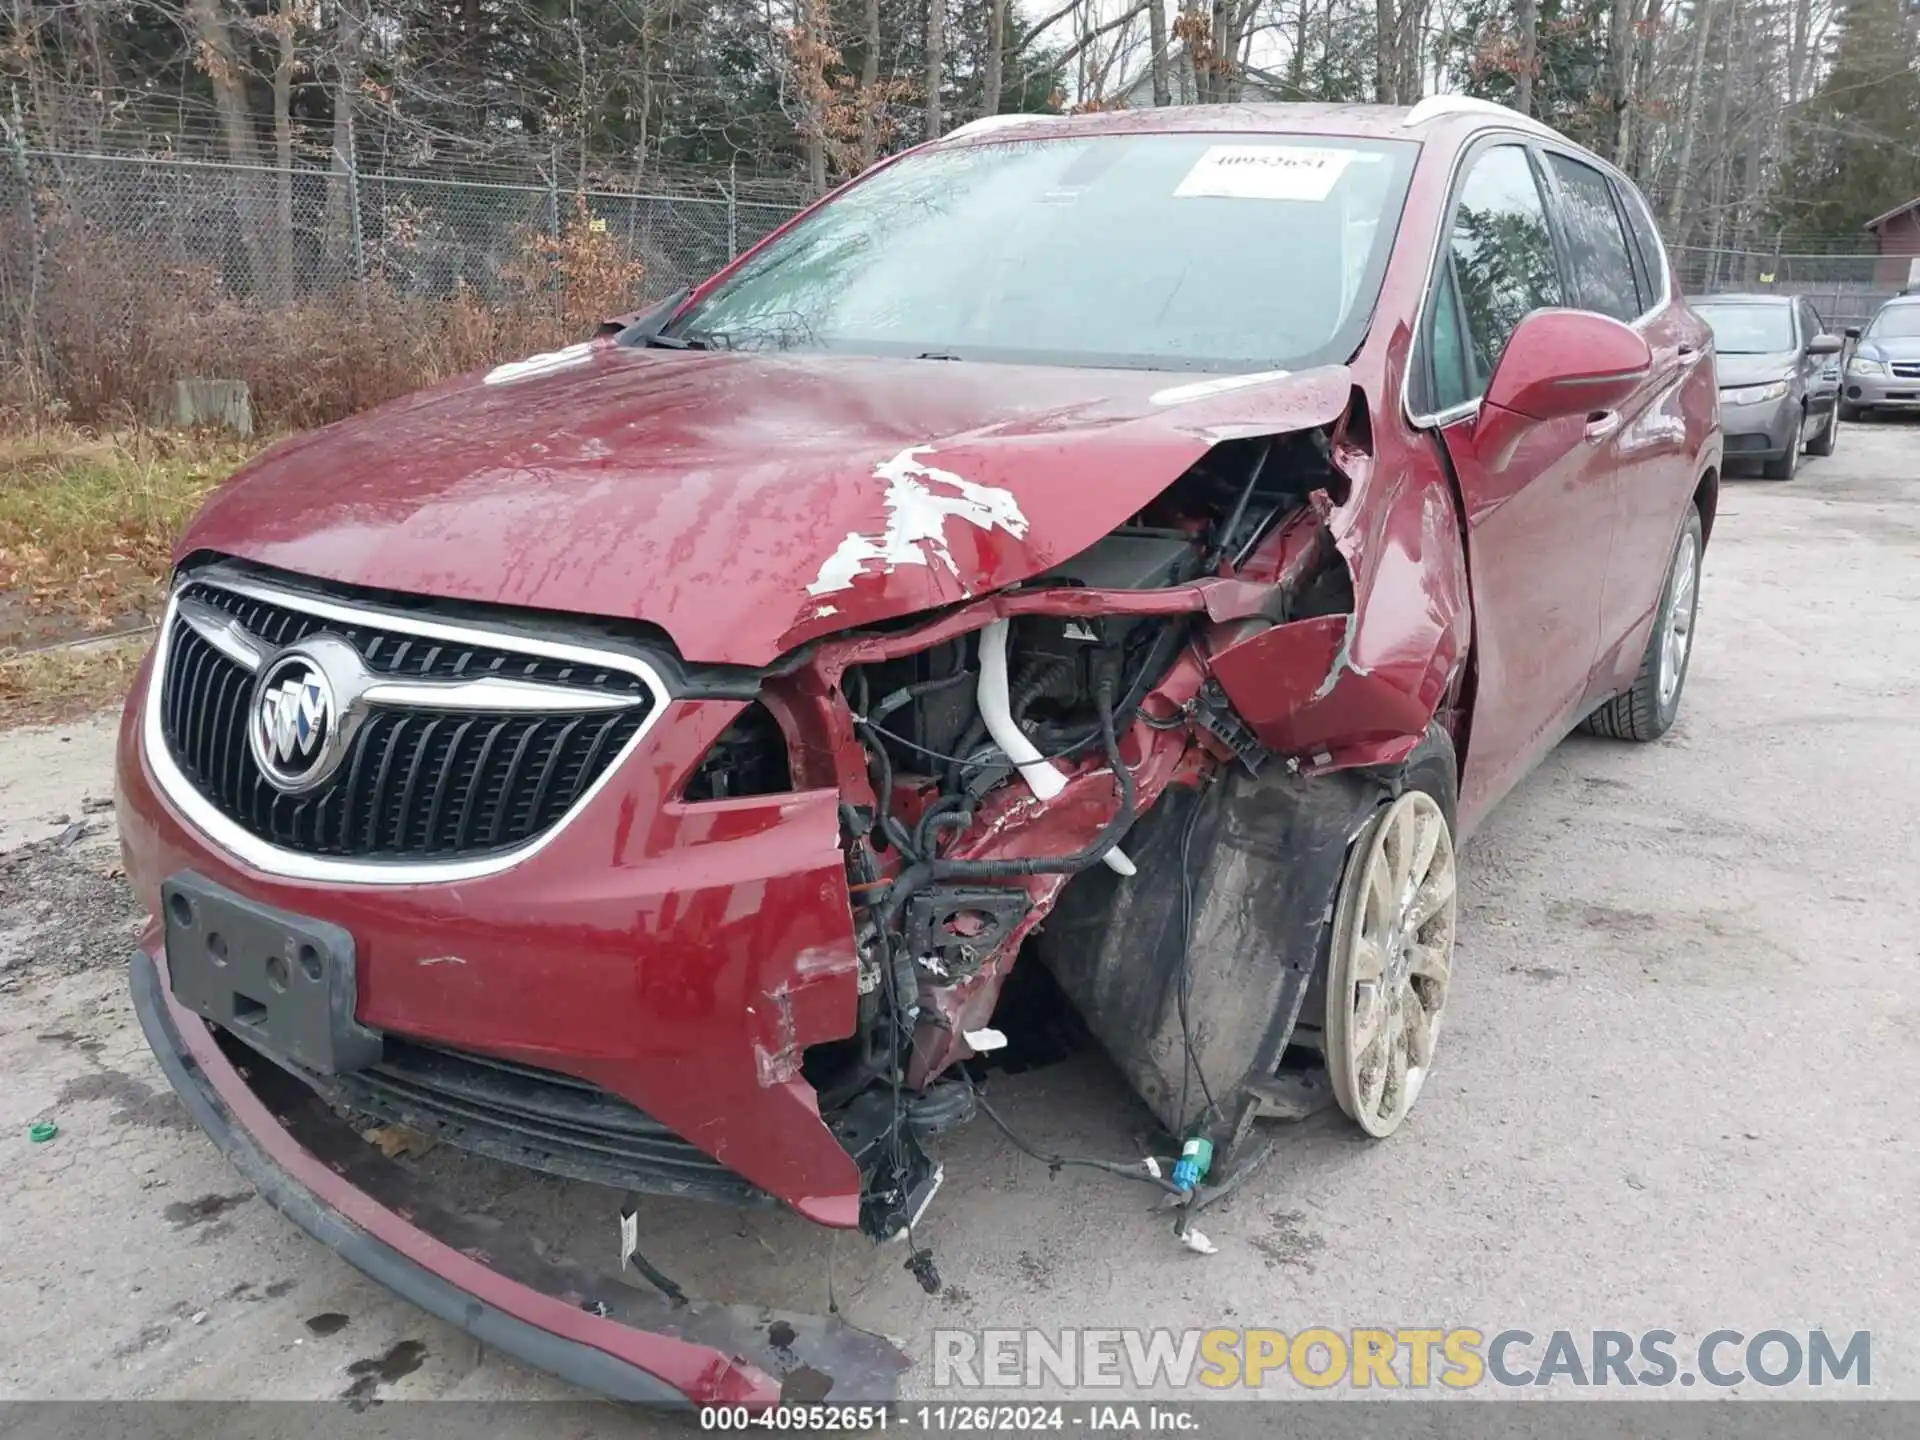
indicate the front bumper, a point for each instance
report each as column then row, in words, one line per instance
column 680, row 957
column 590, row 1330
column 1761, row 432
column 1882, row 392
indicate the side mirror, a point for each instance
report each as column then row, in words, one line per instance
column 1853, row 332
column 1568, row 362
column 1826, row 345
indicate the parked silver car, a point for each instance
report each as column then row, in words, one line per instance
column 1883, row 372
column 1769, row 355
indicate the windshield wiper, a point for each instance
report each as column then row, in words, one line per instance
column 936, row 355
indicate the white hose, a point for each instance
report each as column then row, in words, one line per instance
column 1043, row 777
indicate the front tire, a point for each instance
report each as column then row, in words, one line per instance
column 1647, row 711
column 1788, row 465
column 1829, row 436
column 1391, row 962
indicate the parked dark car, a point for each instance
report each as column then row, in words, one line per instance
column 1883, row 373
column 1770, row 357
column 645, row 762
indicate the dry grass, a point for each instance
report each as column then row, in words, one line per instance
column 52, row 686
column 121, row 321
column 87, row 523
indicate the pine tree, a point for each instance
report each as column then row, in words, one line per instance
column 1856, row 142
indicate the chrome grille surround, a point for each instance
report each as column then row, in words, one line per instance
column 208, row 609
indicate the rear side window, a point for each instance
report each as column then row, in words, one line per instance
column 1602, row 273
column 1653, row 255
column 1502, row 269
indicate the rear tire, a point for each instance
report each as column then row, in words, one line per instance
column 1647, row 711
column 1829, row 436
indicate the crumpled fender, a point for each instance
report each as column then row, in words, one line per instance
column 1361, row 688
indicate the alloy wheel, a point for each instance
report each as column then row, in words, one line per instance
column 1392, row 962
column 1676, row 635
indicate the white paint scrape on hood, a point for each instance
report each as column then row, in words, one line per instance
column 917, row 515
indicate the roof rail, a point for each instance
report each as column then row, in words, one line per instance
column 994, row 122
column 1436, row 106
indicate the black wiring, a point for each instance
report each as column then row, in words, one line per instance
column 890, row 826
column 1134, row 1170
column 948, row 812
column 1183, row 982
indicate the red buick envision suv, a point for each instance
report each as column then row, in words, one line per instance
column 646, row 762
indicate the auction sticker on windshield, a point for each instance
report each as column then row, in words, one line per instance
column 1265, row 172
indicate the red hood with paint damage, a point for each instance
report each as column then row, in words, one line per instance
column 742, row 503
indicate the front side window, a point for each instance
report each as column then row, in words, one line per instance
column 1502, row 269
column 1748, row 329
column 1602, row 273
column 1181, row 252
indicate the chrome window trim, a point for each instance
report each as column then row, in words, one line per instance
column 1539, row 136
column 244, row 846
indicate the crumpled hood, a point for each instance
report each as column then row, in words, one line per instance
column 742, row 503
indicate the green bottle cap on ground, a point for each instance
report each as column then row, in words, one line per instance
column 42, row 1131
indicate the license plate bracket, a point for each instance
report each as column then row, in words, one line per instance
column 284, row 983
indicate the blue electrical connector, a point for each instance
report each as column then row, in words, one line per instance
column 1196, row 1158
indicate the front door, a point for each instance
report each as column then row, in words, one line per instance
column 1539, row 513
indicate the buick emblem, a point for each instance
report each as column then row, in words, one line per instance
column 294, row 729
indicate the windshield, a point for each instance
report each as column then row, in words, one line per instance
column 1749, row 329
column 1142, row 251
column 1895, row 322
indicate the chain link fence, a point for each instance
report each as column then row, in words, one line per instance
column 119, row 261
column 272, row 236
column 1845, row 289
column 120, row 274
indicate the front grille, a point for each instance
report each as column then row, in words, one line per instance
column 417, row 784
column 1907, row 371
column 536, row 1118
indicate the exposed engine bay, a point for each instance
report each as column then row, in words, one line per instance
column 1008, row 751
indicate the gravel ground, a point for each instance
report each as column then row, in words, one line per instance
column 1676, row 1089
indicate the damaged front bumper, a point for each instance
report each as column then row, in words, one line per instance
column 474, row 1273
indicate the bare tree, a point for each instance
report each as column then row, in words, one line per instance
column 870, row 77
column 1157, row 58
column 1527, row 19
column 936, row 63
column 1689, row 115
column 1619, row 77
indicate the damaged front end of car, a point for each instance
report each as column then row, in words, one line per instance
column 995, row 722
column 1164, row 744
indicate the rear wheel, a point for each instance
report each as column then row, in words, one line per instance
column 1391, row 962
column 1647, row 711
column 1829, row 435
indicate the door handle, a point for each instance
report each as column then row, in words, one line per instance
column 1688, row 354
column 1602, row 423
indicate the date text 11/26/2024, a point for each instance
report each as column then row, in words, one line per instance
column 961, row 1418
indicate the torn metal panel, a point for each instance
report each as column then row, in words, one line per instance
column 1361, row 686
